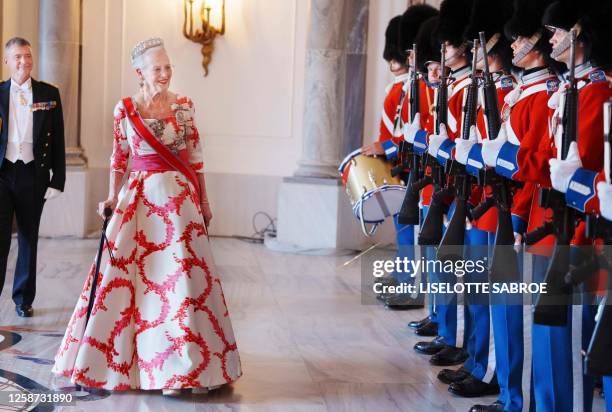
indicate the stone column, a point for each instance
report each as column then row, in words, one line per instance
column 60, row 63
column 355, row 81
column 314, row 213
column 334, row 85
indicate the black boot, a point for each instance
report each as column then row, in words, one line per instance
column 449, row 376
column 496, row 406
column 430, row 348
column 471, row 387
column 449, row 356
column 429, row 329
column 416, row 324
column 402, row 302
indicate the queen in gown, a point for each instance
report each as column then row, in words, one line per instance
column 159, row 319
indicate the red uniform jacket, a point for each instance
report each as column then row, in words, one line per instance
column 392, row 101
column 456, row 99
column 505, row 85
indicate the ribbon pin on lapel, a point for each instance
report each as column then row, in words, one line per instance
column 43, row 105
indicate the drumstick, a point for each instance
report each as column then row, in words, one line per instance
column 348, row 262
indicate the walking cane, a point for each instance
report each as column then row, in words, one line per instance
column 108, row 212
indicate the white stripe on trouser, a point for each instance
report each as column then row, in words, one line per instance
column 490, row 372
column 577, row 378
column 527, row 326
column 460, row 337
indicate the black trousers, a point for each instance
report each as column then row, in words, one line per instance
column 20, row 196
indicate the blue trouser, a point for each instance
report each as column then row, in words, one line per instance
column 446, row 304
column 446, row 307
column 507, row 320
column 430, row 254
column 477, row 331
column 552, row 357
column 607, row 384
column 404, row 237
column 551, row 372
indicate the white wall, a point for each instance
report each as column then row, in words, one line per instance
column 249, row 109
column 19, row 18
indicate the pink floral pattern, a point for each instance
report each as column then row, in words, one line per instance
column 159, row 319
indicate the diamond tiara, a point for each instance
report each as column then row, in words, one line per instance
column 141, row 47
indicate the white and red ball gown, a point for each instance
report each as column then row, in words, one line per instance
column 159, row 320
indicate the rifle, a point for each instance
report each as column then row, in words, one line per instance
column 598, row 360
column 409, row 212
column 431, row 232
column 551, row 307
column 451, row 246
column 504, row 262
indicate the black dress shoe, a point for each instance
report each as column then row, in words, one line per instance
column 415, row 324
column 497, row 406
column 429, row 329
column 401, row 302
column 449, row 376
column 430, row 348
column 25, row 311
column 449, row 356
column 471, row 387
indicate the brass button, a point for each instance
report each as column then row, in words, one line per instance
column 48, row 133
column 46, row 144
column 42, row 165
column 44, row 155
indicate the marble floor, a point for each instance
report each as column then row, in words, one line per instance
column 306, row 341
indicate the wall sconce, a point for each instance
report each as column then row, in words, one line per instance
column 211, row 16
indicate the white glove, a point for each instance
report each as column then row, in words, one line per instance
column 561, row 171
column 51, row 193
column 604, row 192
column 463, row 147
column 491, row 148
column 436, row 140
column 410, row 130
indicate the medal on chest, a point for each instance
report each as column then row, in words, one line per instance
column 23, row 100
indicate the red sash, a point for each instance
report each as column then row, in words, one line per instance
column 173, row 161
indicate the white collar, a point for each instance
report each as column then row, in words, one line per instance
column 535, row 76
column 401, row 78
column 581, row 71
column 461, row 73
column 25, row 87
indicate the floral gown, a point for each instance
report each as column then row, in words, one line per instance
column 159, row 319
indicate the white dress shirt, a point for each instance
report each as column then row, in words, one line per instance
column 20, row 134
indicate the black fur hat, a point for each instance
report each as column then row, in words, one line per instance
column 454, row 15
column 565, row 13
column 392, row 50
column 526, row 18
column 597, row 29
column 526, row 21
column 594, row 18
column 490, row 17
column 428, row 46
column 411, row 20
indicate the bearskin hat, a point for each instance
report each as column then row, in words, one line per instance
column 490, row 17
column 526, row 18
column 428, row 46
column 526, row 21
column 593, row 18
column 411, row 20
column 453, row 16
column 392, row 50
